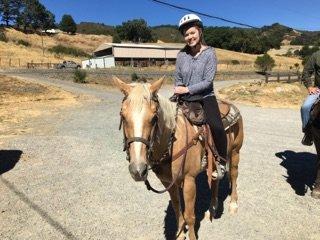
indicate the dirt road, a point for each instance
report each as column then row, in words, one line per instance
column 72, row 182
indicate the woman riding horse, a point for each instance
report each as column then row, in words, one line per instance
column 196, row 67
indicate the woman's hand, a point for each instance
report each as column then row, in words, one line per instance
column 313, row 90
column 181, row 90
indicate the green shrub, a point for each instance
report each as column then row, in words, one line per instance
column 23, row 42
column 235, row 62
column 60, row 49
column 3, row 37
column 80, row 76
column 134, row 77
column 264, row 63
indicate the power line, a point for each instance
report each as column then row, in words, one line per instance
column 204, row 14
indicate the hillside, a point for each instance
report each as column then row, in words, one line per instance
column 20, row 54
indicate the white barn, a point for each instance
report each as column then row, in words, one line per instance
column 131, row 54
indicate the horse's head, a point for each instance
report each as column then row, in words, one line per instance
column 139, row 115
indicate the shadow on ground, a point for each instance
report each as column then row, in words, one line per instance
column 301, row 169
column 202, row 205
column 8, row 159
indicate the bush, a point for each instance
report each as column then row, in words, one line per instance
column 80, row 76
column 3, row 37
column 134, row 77
column 264, row 63
column 235, row 62
column 24, row 43
column 60, row 49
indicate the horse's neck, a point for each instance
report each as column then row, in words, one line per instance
column 166, row 125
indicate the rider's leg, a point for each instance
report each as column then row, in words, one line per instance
column 305, row 109
column 214, row 120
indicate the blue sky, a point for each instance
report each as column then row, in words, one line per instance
column 302, row 15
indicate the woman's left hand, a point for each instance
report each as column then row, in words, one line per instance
column 181, row 90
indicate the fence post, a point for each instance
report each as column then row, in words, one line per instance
column 278, row 77
column 266, row 77
column 9, row 62
column 289, row 77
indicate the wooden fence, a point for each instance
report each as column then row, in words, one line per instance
column 24, row 63
column 283, row 77
column 41, row 65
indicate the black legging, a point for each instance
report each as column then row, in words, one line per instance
column 214, row 120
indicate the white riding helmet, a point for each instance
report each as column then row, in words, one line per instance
column 189, row 18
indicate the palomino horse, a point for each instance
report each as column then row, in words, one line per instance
column 153, row 127
column 315, row 115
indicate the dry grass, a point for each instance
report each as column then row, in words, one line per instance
column 19, row 55
column 275, row 95
column 21, row 101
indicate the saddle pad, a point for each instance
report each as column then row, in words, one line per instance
column 231, row 117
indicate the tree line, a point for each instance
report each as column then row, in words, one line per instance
column 32, row 15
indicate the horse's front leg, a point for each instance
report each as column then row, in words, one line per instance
column 214, row 200
column 316, row 190
column 175, row 201
column 189, row 194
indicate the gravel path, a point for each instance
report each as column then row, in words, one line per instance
column 73, row 182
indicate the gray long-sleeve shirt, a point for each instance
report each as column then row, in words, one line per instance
column 197, row 73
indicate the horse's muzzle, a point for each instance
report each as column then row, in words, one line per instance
column 139, row 172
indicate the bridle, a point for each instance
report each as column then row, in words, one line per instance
column 148, row 142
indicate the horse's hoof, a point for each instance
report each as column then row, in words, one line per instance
column 315, row 193
column 233, row 208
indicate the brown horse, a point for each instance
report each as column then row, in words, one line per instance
column 315, row 115
column 153, row 127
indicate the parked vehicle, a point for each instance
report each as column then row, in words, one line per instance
column 68, row 64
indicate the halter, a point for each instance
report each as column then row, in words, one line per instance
column 148, row 142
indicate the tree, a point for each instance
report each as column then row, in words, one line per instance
column 116, row 38
column 135, row 30
column 264, row 63
column 34, row 15
column 10, row 10
column 67, row 24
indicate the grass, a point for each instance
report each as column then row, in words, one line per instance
column 88, row 43
column 61, row 49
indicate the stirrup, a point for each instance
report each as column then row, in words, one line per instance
column 219, row 173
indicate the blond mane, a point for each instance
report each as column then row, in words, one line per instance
column 140, row 93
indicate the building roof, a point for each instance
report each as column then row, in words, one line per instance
column 167, row 46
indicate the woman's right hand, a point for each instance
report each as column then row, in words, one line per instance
column 313, row 90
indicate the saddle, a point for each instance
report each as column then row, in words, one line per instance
column 194, row 112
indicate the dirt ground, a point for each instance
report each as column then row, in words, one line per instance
column 274, row 95
column 22, row 102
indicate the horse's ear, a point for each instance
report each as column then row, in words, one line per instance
column 125, row 88
column 154, row 88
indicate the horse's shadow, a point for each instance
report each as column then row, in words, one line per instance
column 301, row 169
column 8, row 159
column 203, row 199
